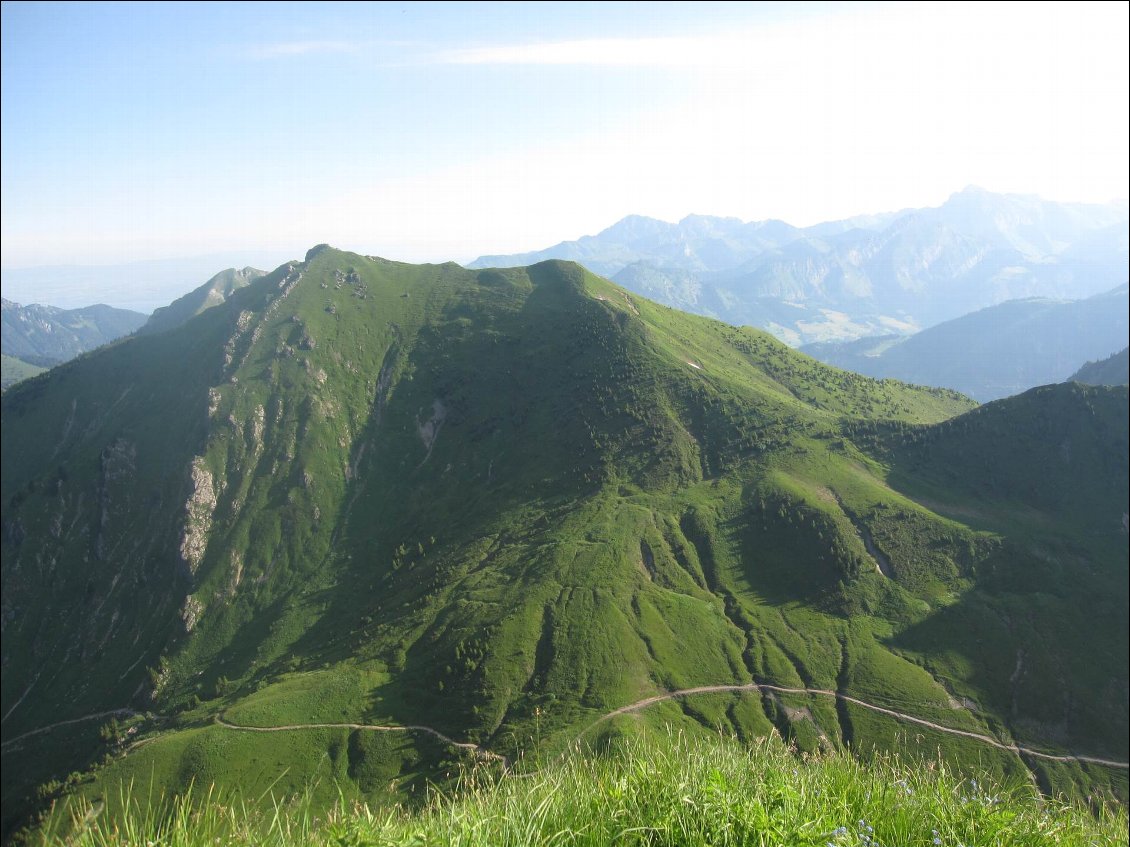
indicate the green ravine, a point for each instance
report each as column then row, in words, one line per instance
column 503, row 504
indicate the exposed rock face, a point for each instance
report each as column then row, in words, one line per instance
column 236, row 573
column 199, row 508
column 191, row 612
column 257, row 424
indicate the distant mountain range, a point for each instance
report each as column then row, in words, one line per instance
column 1114, row 370
column 44, row 336
column 994, row 352
column 842, row 280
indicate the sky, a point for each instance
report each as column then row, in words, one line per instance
column 437, row 131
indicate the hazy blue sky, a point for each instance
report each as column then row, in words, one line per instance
column 425, row 131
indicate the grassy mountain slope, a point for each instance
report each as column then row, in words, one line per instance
column 16, row 370
column 212, row 293
column 671, row 790
column 502, row 503
column 1113, row 370
column 996, row 352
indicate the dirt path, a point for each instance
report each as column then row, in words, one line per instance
column 481, row 752
column 639, row 705
column 113, row 713
column 825, row 692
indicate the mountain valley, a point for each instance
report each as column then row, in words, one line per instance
column 995, row 352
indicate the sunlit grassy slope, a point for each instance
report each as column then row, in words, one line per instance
column 13, row 370
column 672, row 790
column 504, row 503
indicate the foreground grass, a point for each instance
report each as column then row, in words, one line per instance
column 674, row 791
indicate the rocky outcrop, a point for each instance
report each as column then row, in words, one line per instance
column 199, row 509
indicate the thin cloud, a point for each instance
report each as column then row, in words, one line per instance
column 600, row 51
column 284, row 49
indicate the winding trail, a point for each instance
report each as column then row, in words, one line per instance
column 480, row 752
column 827, row 692
column 113, row 713
column 759, row 687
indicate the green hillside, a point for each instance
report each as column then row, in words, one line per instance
column 15, row 370
column 501, row 504
column 668, row 791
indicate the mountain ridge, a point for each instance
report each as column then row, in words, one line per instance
column 212, row 293
column 502, row 502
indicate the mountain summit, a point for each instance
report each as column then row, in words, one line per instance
column 501, row 505
column 215, row 291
